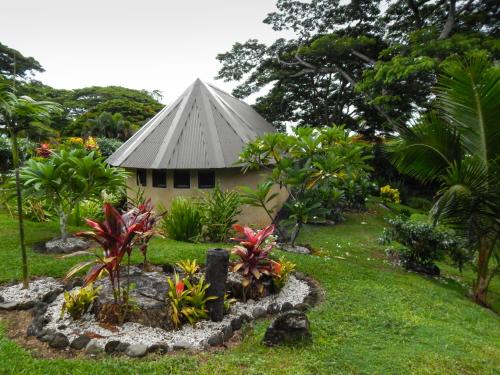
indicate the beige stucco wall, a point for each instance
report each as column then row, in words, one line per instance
column 229, row 179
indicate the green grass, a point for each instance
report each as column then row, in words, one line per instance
column 376, row 319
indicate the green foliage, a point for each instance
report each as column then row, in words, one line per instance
column 423, row 243
column 419, row 203
column 188, row 300
column 323, row 170
column 219, row 209
column 68, row 178
column 458, row 146
column 389, row 194
column 108, row 145
column 76, row 303
column 24, row 66
column 282, row 270
column 189, row 267
column 184, row 220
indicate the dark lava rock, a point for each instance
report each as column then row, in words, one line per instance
column 36, row 326
column 62, row 326
column 288, row 327
column 39, row 309
column 227, row 332
column 287, row 306
column 273, row 308
column 259, row 312
column 149, row 296
column 59, row 341
column 168, row 268
column 136, row 350
column 431, row 270
column 46, row 335
column 73, row 283
column 245, row 318
column 2, row 299
column 216, row 339
column 302, row 307
column 158, row 348
column 236, row 324
column 93, row 348
column 80, row 342
column 123, row 346
column 52, row 295
column 111, row 346
column 16, row 305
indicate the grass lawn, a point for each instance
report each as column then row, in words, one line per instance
column 376, row 319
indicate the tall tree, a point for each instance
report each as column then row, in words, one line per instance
column 359, row 63
column 16, row 115
column 14, row 63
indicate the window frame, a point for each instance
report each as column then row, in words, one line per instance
column 155, row 176
column 138, row 179
column 182, row 171
column 212, row 176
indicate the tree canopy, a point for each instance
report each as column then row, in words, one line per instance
column 364, row 64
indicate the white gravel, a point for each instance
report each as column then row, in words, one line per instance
column 193, row 337
column 36, row 291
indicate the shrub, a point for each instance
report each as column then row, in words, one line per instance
column 189, row 267
column 77, row 303
column 188, row 300
column 423, row 243
column 219, row 211
column 281, row 272
column 108, row 145
column 253, row 251
column 389, row 194
column 183, row 221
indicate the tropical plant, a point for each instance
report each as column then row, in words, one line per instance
column 458, row 146
column 282, row 269
column 423, row 243
column 183, row 221
column 18, row 114
column 68, row 178
column 307, row 160
column 188, row 300
column 189, row 267
column 76, row 303
column 302, row 212
column 116, row 234
column 219, row 209
column 108, row 145
column 389, row 194
column 253, row 252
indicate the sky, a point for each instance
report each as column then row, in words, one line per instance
column 143, row 44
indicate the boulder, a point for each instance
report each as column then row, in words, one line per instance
column 273, row 308
column 259, row 312
column 122, row 347
column 227, row 331
column 93, row 348
column 288, row 327
column 72, row 244
column 159, row 348
column 216, row 339
column 136, row 350
column 80, row 342
column 59, row 341
column 111, row 346
column 236, row 323
column 287, row 306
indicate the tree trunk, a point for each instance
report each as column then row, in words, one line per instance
column 63, row 225
column 15, row 162
column 480, row 288
column 450, row 22
column 295, row 234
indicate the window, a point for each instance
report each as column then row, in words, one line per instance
column 141, row 177
column 182, row 179
column 206, row 179
column 159, row 178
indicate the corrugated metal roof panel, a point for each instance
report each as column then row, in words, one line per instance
column 204, row 128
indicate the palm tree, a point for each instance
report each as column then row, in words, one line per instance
column 458, row 146
column 18, row 114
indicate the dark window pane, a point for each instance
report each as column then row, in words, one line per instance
column 159, row 178
column 141, row 177
column 206, row 179
column 182, row 179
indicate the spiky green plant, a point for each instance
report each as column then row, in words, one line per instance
column 458, row 146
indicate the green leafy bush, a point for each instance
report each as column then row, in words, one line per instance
column 77, row 303
column 423, row 243
column 183, row 221
column 419, row 203
column 188, row 300
column 108, row 145
column 219, row 209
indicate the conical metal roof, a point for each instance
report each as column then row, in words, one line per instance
column 204, row 128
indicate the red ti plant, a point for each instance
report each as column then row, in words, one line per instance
column 149, row 220
column 253, row 251
column 44, row 150
column 116, row 234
